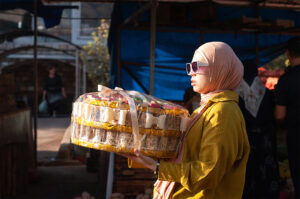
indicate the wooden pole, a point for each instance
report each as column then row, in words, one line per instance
column 137, row 14
column 35, row 66
column 152, row 45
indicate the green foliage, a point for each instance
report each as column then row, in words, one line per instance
column 280, row 62
column 96, row 57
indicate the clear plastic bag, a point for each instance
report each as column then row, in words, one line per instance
column 120, row 121
column 43, row 107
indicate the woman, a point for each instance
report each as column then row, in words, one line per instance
column 212, row 160
column 53, row 91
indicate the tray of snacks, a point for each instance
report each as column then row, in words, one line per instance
column 118, row 120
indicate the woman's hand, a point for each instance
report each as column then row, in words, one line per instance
column 44, row 94
column 141, row 159
column 63, row 92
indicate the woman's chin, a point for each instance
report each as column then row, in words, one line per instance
column 201, row 91
column 195, row 89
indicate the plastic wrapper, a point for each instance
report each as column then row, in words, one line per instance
column 120, row 121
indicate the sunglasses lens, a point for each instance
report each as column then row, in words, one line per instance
column 194, row 67
column 188, row 68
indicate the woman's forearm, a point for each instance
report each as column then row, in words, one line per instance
column 63, row 92
column 44, row 94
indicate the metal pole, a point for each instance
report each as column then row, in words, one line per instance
column 152, row 45
column 76, row 74
column 110, row 175
column 79, row 77
column 84, row 78
column 35, row 66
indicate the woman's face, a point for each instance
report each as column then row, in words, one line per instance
column 200, row 82
column 52, row 71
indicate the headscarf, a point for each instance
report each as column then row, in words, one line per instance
column 225, row 68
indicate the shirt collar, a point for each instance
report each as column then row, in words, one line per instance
column 225, row 96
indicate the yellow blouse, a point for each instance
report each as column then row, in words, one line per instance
column 216, row 151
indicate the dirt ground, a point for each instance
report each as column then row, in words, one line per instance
column 56, row 179
column 50, row 133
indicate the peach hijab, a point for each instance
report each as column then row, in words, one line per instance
column 226, row 73
column 225, row 69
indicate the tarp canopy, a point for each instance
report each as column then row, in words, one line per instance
column 249, row 31
column 50, row 14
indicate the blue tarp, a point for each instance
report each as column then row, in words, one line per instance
column 174, row 49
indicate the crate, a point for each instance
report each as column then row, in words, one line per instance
column 131, row 182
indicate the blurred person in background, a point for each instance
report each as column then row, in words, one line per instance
column 257, row 105
column 191, row 100
column 287, row 110
column 53, row 91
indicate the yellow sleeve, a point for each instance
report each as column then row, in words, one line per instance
column 133, row 164
column 215, row 151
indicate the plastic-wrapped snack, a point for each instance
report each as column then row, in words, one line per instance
column 120, row 121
